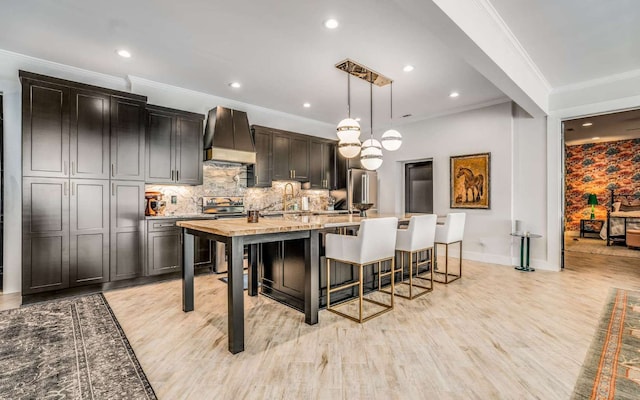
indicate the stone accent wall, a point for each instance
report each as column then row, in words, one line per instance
column 222, row 179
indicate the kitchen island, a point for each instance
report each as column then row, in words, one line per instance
column 302, row 231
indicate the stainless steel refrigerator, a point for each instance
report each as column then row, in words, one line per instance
column 363, row 187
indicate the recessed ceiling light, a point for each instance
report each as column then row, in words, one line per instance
column 454, row 94
column 331, row 23
column 408, row 68
column 235, row 85
column 358, row 119
column 124, row 53
column 306, row 105
column 587, row 124
column 595, row 138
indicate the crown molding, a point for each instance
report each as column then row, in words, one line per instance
column 63, row 71
column 605, row 80
column 513, row 40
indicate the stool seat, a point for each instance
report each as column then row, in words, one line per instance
column 450, row 233
column 374, row 244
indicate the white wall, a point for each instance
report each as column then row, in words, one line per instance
column 477, row 131
column 158, row 94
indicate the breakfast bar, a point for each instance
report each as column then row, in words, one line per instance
column 236, row 233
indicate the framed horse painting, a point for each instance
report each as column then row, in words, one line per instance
column 470, row 181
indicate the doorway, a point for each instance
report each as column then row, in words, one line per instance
column 600, row 158
column 418, row 187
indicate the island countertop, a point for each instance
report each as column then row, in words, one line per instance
column 287, row 223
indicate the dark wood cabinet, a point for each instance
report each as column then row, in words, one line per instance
column 45, row 129
column 127, row 139
column 340, row 170
column 261, row 171
column 174, row 146
column 299, row 157
column 45, row 234
column 164, row 248
column 126, row 229
column 89, row 232
column 282, row 271
column 290, row 157
column 89, row 134
column 320, row 164
column 203, row 252
column 280, row 160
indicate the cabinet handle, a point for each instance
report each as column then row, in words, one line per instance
column 65, row 189
column 64, row 167
column 113, row 170
column 73, row 168
column 177, row 175
column 113, row 188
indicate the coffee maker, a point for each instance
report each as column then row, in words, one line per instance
column 155, row 205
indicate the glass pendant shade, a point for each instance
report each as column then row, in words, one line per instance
column 349, row 148
column 349, row 129
column 371, row 154
column 391, row 140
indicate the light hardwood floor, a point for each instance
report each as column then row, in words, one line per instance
column 496, row 333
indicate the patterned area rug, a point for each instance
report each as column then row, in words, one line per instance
column 598, row 246
column 611, row 369
column 72, row 348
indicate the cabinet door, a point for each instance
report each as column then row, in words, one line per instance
column 164, row 252
column 262, row 176
column 189, row 151
column 160, row 147
column 316, row 168
column 89, row 232
column 45, row 234
column 292, row 273
column 126, row 223
column 299, row 158
column 202, row 251
column 339, row 180
column 89, row 135
column 127, row 139
column 281, row 149
column 45, row 129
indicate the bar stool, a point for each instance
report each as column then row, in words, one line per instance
column 451, row 232
column 417, row 238
column 374, row 244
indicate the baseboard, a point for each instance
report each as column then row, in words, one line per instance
column 507, row 260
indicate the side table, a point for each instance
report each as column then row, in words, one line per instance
column 525, row 235
column 590, row 226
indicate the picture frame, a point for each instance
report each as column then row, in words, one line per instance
column 470, row 181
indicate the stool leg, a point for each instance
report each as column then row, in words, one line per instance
column 410, row 275
column 446, row 263
column 431, row 266
column 360, row 291
column 460, row 274
column 328, row 283
column 393, row 267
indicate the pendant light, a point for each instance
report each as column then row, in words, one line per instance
column 371, row 154
column 391, row 139
column 348, row 130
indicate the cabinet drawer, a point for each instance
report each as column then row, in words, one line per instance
column 162, row 225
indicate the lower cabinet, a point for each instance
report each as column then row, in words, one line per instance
column 127, row 229
column 164, row 248
column 282, row 270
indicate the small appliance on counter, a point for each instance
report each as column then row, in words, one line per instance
column 155, row 205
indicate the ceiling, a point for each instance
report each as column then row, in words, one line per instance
column 279, row 50
column 576, row 40
column 609, row 127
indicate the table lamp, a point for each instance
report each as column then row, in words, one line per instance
column 593, row 202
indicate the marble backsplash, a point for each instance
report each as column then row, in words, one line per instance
column 222, row 179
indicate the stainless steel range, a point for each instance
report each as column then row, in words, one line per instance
column 223, row 207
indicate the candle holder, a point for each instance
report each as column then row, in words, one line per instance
column 362, row 207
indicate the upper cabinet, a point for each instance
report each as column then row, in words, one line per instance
column 320, row 167
column 262, row 169
column 174, row 146
column 80, row 131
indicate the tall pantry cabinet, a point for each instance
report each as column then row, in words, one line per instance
column 83, row 152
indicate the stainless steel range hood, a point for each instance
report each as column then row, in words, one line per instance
column 227, row 137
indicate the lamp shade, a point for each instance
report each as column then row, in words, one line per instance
column 349, row 129
column 371, row 154
column 349, row 147
column 592, row 200
column 391, row 140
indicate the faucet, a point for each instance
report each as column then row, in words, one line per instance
column 286, row 196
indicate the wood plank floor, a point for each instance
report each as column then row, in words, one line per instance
column 496, row 333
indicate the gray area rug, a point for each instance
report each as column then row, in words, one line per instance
column 72, row 348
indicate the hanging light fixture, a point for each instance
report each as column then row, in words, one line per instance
column 371, row 154
column 391, row 139
column 348, row 130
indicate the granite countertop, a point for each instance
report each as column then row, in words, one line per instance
column 286, row 223
column 181, row 216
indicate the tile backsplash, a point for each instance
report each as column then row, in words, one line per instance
column 222, row 179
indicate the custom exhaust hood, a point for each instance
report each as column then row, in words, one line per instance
column 227, row 137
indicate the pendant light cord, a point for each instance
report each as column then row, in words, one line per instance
column 391, row 103
column 348, row 94
column 371, row 108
